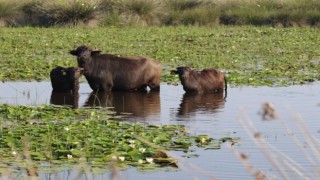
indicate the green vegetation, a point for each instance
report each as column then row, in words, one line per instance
column 51, row 139
column 249, row 55
column 63, row 137
column 159, row 12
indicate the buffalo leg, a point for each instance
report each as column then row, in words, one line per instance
column 154, row 87
column 143, row 88
column 154, row 84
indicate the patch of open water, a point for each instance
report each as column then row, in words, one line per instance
column 201, row 114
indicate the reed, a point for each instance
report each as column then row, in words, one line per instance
column 9, row 12
column 160, row 12
column 285, row 166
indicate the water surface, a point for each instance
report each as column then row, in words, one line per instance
column 201, row 114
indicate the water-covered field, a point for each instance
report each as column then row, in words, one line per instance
column 295, row 107
column 273, row 69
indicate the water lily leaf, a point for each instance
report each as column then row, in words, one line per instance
column 68, row 136
column 172, row 127
column 63, row 153
column 76, row 152
column 191, row 155
column 203, row 139
column 212, row 145
column 150, row 126
column 226, row 139
column 135, row 155
column 38, row 156
column 138, row 128
column 125, row 148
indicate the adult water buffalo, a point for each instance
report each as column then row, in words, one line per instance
column 65, row 79
column 207, row 80
column 107, row 72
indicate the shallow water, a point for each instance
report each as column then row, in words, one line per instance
column 201, row 114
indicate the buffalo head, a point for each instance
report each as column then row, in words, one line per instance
column 74, row 73
column 66, row 79
column 84, row 54
column 181, row 71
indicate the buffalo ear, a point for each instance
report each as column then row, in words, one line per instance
column 94, row 53
column 73, row 52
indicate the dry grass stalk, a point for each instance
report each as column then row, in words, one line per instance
column 32, row 169
column 115, row 172
column 243, row 158
column 310, row 140
column 279, row 160
column 249, row 128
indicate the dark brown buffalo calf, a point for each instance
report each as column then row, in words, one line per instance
column 207, row 80
column 65, row 79
column 106, row 72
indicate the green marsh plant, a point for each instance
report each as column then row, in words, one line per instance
column 63, row 137
column 249, row 55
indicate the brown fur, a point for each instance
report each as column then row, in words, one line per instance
column 207, row 80
column 105, row 72
column 65, row 79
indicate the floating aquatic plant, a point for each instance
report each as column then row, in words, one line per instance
column 255, row 56
column 64, row 136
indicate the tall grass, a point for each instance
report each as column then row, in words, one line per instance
column 9, row 11
column 284, row 166
column 142, row 12
column 72, row 12
column 160, row 12
column 191, row 12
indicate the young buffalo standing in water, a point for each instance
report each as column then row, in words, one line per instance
column 65, row 79
column 106, row 72
column 207, row 80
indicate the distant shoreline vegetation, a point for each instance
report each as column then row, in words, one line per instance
column 102, row 13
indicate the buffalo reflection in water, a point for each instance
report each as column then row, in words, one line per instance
column 65, row 98
column 134, row 103
column 207, row 102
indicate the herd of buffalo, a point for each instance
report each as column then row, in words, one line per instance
column 107, row 72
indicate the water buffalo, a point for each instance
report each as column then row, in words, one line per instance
column 107, row 72
column 207, row 80
column 65, row 79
